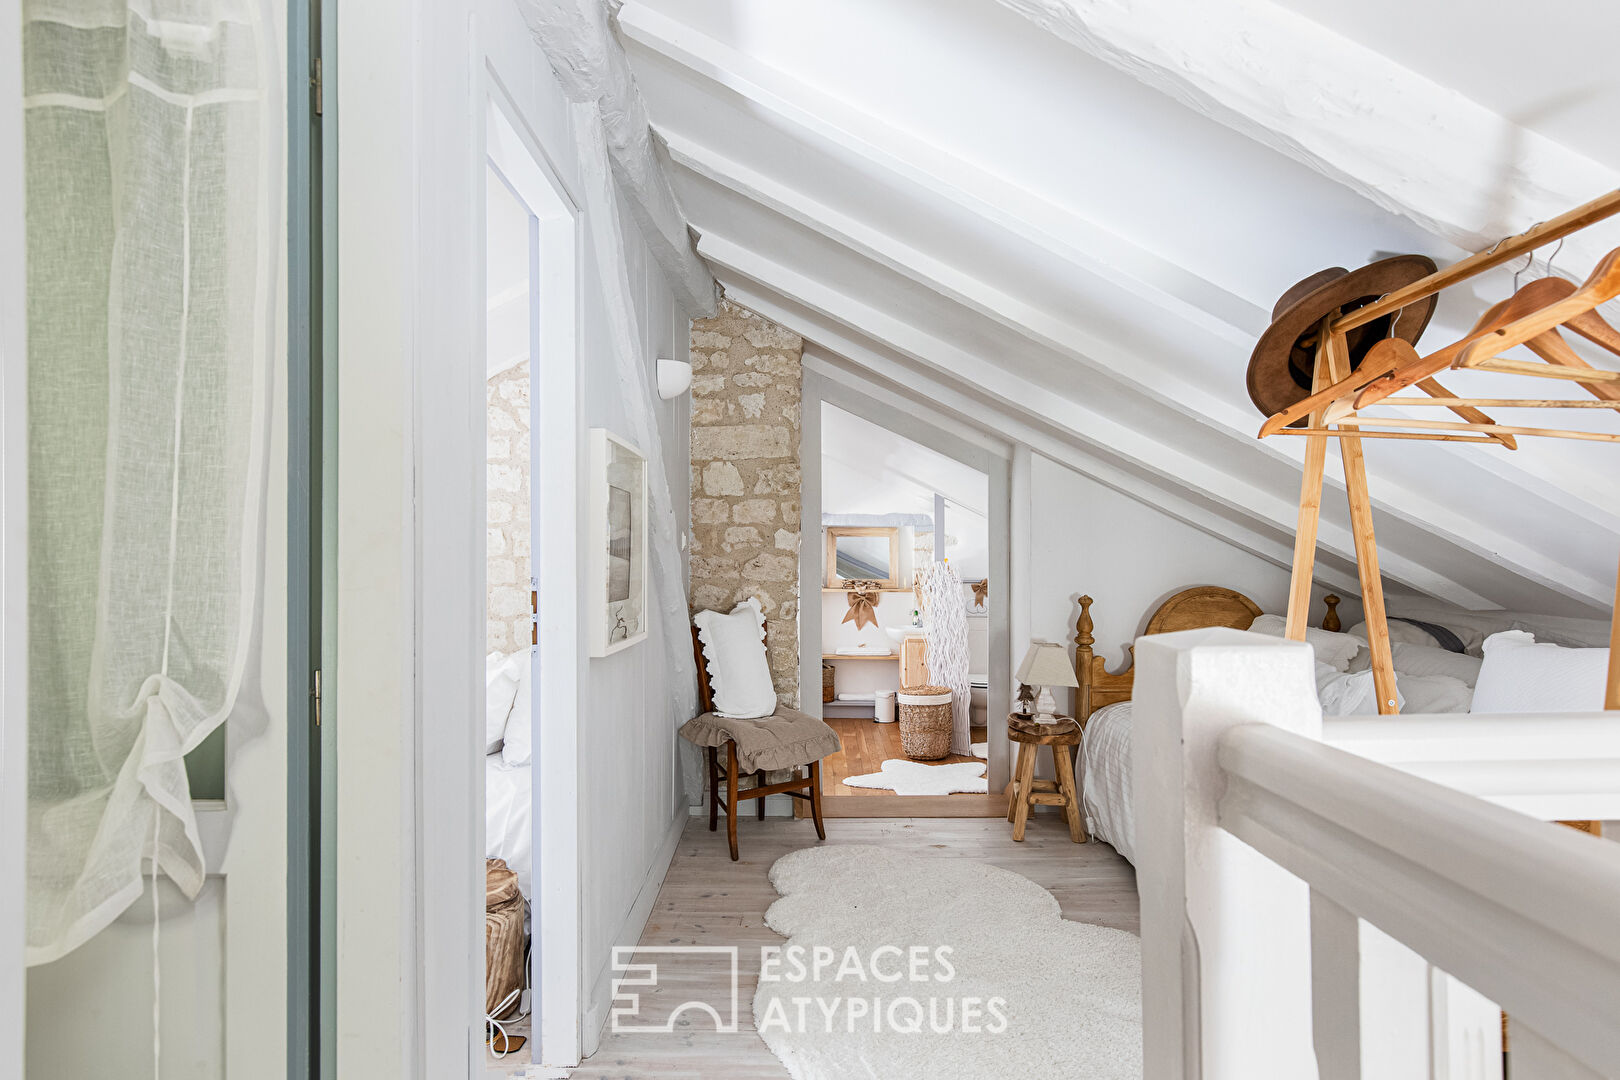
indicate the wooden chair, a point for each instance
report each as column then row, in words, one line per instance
column 800, row 787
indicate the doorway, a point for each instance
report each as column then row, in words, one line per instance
column 905, row 553
column 531, row 417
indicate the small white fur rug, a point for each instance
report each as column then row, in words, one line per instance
column 915, row 778
column 933, row 967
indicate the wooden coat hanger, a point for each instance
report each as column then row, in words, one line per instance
column 1601, row 286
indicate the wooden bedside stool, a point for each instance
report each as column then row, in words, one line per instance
column 1025, row 791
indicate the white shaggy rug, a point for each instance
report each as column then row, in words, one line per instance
column 981, row 750
column 916, row 778
column 933, row 967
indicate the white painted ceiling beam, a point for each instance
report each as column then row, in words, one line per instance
column 1182, row 457
column 1402, row 141
column 591, row 67
column 1090, row 247
column 1140, row 370
column 1170, row 463
column 1121, row 366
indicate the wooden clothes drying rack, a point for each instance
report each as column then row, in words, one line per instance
column 1533, row 317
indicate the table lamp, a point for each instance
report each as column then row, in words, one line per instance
column 1046, row 664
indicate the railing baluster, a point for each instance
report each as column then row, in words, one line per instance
column 1335, row 989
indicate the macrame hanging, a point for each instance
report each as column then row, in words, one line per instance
column 945, row 616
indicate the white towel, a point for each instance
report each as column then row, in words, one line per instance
column 855, row 697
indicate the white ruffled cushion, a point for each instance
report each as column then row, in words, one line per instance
column 734, row 652
column 1335, row 650
column 1521, row 676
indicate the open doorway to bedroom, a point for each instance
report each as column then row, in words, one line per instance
column 511, row 633
column 530, row 394
column 904, row 554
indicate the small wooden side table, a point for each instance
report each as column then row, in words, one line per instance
column 1025, row 791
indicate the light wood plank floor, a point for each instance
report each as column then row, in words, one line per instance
column 865, row 746
column 708, row 900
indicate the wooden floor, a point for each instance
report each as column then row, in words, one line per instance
column 866, row 746
column 706, row 899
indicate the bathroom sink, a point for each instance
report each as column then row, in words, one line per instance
column 897, row 634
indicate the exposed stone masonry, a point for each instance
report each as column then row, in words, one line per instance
column 746, row 383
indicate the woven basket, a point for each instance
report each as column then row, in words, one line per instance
column 827, row 682
column 925, row 721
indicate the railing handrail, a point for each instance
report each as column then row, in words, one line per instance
column 1559, row 768
column 1527, row 914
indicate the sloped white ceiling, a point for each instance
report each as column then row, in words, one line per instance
column 991, row 209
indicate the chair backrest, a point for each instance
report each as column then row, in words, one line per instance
column 705, row 691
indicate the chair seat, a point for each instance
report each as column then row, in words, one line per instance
column 782, row 741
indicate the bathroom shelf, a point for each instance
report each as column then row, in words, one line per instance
column 827, row 589
column 860, row 656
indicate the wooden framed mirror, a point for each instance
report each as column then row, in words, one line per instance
column 863, row 553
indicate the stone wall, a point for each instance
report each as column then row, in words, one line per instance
column 746, row 383
column 507, row 615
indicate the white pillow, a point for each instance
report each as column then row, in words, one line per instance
column 1351, row 693
column 1520, row 676
column 517, row 741
column 1432, row 693
column 500, row 689
column 1426, row 660
column 1400, row 633
column 734, row 652
column 1336, row 650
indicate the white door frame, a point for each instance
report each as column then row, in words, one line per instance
column 13, row 557
column 554, row 443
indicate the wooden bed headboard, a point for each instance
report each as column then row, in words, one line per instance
column 1191, row 609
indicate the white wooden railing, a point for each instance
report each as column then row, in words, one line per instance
column 1357, row 903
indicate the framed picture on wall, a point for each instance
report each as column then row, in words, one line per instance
column 617, row 544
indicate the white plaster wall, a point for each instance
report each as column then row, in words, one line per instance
column 1088, row 539
column 631, row 797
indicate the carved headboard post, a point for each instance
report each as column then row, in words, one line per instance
column 1330, row 621
column 1082, row 661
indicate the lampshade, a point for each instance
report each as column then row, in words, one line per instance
column 1046, row 664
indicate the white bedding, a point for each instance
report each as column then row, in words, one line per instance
column 508, row 822
column 1105, row 778
column 1105, row 751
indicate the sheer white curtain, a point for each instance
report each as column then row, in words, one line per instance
column 151, row 195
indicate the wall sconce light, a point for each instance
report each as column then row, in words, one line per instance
column 674, row 378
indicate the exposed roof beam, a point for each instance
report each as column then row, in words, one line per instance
column 816, row 118
column 1092, row 248
column 1164, row 457
column 1404, row 142
column 1135, row 369
column 591, row 67
column 1174, row 466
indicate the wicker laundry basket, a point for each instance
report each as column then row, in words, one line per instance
column 827, row 682
column 925, row 721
